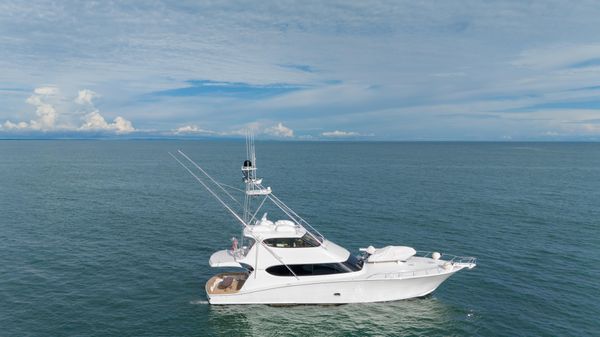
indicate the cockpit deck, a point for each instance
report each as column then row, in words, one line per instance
column 226, row 283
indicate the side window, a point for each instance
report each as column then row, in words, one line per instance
column 351, row 265
column 326, row 269
column 279, row 271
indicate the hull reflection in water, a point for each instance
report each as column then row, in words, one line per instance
column 424, row 316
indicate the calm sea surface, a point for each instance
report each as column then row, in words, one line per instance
column 112, row 238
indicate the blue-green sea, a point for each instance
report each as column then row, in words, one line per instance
column 112, row 238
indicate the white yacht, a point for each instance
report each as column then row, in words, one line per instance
column 289, row 262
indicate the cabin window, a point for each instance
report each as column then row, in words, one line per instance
column 306, row 241
column 348, row 266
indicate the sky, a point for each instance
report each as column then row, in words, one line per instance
column 301, row 70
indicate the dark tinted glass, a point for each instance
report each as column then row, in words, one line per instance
column 352, row 264
column 306, row 241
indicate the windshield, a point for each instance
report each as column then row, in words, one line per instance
column 305, row 241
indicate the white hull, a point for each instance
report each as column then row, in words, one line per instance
column 337, row 291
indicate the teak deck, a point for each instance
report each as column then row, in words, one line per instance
column 219, row 284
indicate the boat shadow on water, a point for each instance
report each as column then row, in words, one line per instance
column 421, row 316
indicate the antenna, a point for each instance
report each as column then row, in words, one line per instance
column 253, row 184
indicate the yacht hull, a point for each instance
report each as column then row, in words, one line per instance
column 336, row 292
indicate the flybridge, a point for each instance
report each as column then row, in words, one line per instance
column 255, row 192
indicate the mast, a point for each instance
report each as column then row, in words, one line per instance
column 253, row 184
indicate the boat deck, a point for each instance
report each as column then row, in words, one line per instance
column 226, row 283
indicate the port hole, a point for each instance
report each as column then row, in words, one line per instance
column 336, row 294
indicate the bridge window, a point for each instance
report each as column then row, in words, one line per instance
column 306, row 241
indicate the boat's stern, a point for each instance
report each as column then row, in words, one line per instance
column 225, row 284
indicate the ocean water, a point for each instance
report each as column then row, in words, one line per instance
column 112, row 238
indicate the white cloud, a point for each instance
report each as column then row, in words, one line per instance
column 12, row 126
column 85, row 96
column 191, row 129
column 95, row 121
column 560, row 55
column 46, row 91
column 261, row 128
column 338, row 133
column 279, row 130
column 391, row 67
column 49, row 118
column 42, row 99
column 122, row 125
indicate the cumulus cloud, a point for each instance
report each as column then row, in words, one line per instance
column 93, row 120
column 46, row 113
column 192, row 129
column 43, row 99
column 279, row 130
column 85, row 96
column 49, row 118
column 368, row 65
column 338, row 133
column 12, row 126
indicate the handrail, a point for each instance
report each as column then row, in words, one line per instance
column 449, row 257
column 452, row 260
column 287, row 210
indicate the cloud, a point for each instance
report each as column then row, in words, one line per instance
column 338, row 133
column 46, row 113
column 561, row 55
column 93, row 120
column 85, row 96
column 390, row 67
column 46, row 91
column 279, row 130
column 192, row 129
column 8, row 125
column 49, row 118
column 227, row 89
column 122, row 125
column 261, row 128
column 258, row 128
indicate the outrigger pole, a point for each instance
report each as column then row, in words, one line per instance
column 231, row 211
